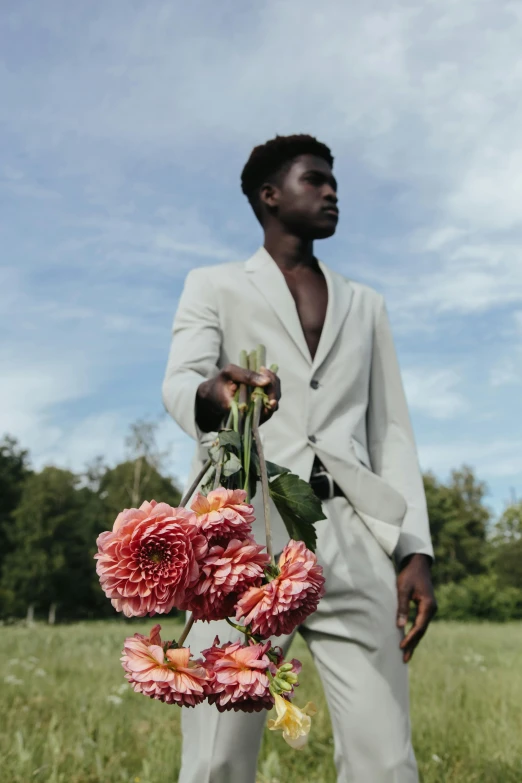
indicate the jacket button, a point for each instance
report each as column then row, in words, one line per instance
column 314, row 383
column 312, row 439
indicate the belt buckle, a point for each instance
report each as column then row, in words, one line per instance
column 331, row 487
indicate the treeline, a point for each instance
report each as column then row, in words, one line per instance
column 50, row 519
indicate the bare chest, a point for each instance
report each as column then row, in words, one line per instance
column 310, row 294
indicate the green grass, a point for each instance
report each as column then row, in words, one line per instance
column 68, row 716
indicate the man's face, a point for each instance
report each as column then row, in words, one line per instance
column 306, row 198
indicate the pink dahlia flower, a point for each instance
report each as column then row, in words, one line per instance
column 163, row 673
column 284, row 603
column 223, row 515
column 241, row 679
column 225, row 573
column 149, row 558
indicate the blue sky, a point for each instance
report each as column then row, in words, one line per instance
column 124, row 128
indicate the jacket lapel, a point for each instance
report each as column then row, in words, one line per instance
column 340, row 294
column 269, row 280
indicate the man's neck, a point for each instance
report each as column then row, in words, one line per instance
column 289, row 251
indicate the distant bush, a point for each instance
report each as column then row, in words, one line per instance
column 479, row 598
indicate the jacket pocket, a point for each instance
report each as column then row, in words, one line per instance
column 361, row 453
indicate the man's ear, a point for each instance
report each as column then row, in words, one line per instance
column 269, row 195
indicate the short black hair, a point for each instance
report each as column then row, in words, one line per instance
column 269, row 159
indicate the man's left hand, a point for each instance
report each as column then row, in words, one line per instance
column 414, row 584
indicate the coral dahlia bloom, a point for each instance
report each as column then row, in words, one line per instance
column 148, row 560
column 225, row 573
column 241, row 680
column 223, row 514
column 284, row 603
column 165, row 674
column 292, row 721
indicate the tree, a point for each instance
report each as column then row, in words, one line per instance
column 14, row 470
column 508, row 529
column 145, row 456
column 459, row 523
column 118, row 491
column 49, row 523
column 137, row 479
column 51, row 559
column 507, row 547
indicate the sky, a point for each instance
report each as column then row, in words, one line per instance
column 124, row 126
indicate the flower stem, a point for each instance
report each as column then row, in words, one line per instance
column 195, row 484
column 240, row 628
column 258, row 406
column 235, row 415
column 243, row 392
column 247, row 449
column 219, row 467
column 185, row 632
column 201, row 475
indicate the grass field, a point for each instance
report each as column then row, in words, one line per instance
column 68, row 716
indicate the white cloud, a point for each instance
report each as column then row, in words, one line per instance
column 471, row 278
column 506, row 372
column 434, row 392
column 103, row 434
column 133, row 122
column 430, row 103
column 30, row 396
column 496, row 458
column 30, row 402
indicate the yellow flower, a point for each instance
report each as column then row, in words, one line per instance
column 293, row 722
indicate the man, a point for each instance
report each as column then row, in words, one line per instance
column 343, row 425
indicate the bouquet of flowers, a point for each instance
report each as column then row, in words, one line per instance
column 202, row 558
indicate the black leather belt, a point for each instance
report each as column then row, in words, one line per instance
column 322, row 482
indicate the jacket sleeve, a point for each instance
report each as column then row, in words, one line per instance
column 391, row 441
column 194, row 352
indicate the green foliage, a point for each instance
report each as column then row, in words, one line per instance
column 507, row 564
column 130, row 483
column 509, row 527
column 459, row 523
column 507, row 547
column 231, row 465
column 273, row 469
column 50, row 543
column 230, row 438
column 14, row 470
column 70, row 717
column 51, row 521
column 299, row 507
column 479, row 597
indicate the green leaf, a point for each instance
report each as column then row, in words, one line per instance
column 229, row 438
column 208, row 485
column 299, row 507
column 275, row 470
column 214, row 452
column 232, row 465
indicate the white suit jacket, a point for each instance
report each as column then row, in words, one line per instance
column 347, row 405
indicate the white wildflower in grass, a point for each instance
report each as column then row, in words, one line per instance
column 10, row 679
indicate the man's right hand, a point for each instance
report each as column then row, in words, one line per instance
column 215, row 395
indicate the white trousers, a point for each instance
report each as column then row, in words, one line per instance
column 354, row 641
